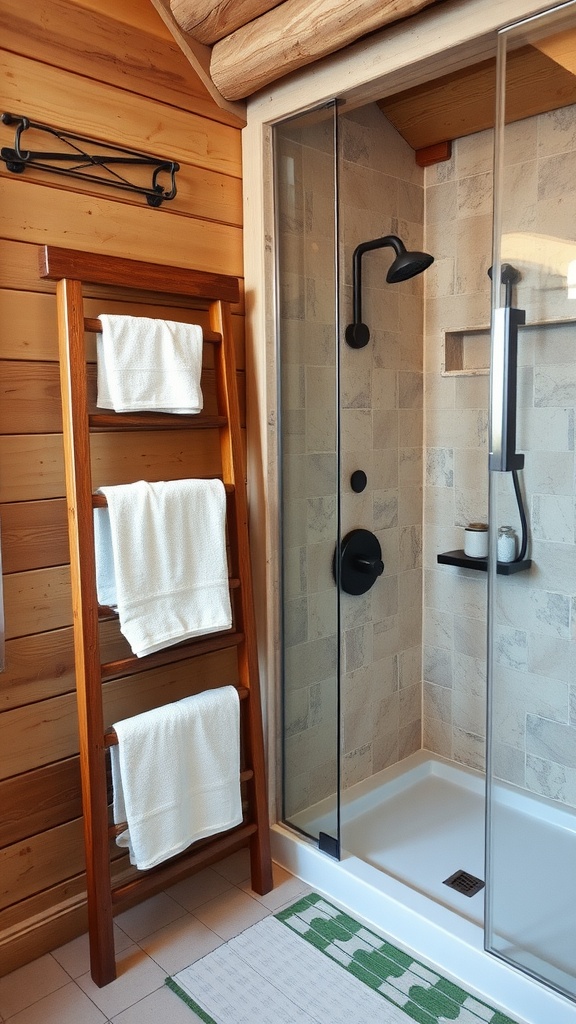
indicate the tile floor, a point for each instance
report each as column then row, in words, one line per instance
column 158, row 937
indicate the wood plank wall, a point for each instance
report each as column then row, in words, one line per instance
column 111, row 72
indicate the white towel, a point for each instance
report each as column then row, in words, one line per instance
column 146, row 364
column 167, row 574
column 176, row 775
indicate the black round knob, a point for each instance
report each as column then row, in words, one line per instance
column 357, row 335
column 358, row 481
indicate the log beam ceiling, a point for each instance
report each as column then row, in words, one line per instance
column 255, row 42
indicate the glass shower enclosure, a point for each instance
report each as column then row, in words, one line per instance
column 308, row 360
column 530, row 916
column 328, row 639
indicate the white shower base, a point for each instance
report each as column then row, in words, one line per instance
column 406, row 830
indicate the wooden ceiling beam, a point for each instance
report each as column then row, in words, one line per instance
column 464, row 102
column 561, row 48
column 295, row 34
column 210, row 20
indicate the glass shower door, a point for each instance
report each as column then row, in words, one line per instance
column 531, row 767
column 308, row 361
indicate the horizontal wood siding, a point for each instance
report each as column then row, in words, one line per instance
column 116, row 76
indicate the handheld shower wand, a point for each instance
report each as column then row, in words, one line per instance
column 503, row 380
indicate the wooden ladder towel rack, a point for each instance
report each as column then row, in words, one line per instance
column 212, row 294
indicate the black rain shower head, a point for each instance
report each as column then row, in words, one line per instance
column 406, row 265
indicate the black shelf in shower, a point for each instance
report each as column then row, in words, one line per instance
column 461, row 559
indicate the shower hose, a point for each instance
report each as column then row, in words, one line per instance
column 522, row 514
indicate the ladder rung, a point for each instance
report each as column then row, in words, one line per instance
column 170, row 655
column 206, row 851
column 111, row 739
column 110, row 420
column 99, row 500
column 116, row 830
column 94, row 325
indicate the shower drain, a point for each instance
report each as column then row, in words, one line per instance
column 465, row 883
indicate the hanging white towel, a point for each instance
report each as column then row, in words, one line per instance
column 146, row 364
column 176, row 775
column 167, row 571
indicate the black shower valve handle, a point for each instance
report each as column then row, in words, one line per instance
column 357, row 562
column 372, row 566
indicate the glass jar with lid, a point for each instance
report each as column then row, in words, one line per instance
column 506, row 544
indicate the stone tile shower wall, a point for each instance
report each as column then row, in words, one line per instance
column 459, row 234
column 381, row 191
column 535, row 705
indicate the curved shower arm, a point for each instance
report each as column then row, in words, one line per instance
column 376, row 243
column 405, row 265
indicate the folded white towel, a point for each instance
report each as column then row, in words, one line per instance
column 146, row 364
column 168, row 572
column 176, row 775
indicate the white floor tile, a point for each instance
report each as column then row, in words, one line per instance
column 236, row 867
column 192, row 892
column 138, row 976
column 74, row 956
column 66, row 1006
column 231, row 913
column 287, row 889
column 150, row 915
column 27, row 984
column 220, row 905
column 180, row 944
column 163, row 1005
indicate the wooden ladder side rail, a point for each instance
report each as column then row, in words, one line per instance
column 234, row 472
column 70, row 268
column 85, row 618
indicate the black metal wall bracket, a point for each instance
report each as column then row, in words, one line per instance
column 81, row 164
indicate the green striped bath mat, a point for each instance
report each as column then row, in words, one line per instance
column 312, row 964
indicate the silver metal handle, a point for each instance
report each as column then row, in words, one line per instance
column 503, row 379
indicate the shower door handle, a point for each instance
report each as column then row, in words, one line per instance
column 503, row 380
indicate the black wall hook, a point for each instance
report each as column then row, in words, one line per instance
column 82, row 164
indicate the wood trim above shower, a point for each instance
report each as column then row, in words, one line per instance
column 435, row 154
column 463, row 102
